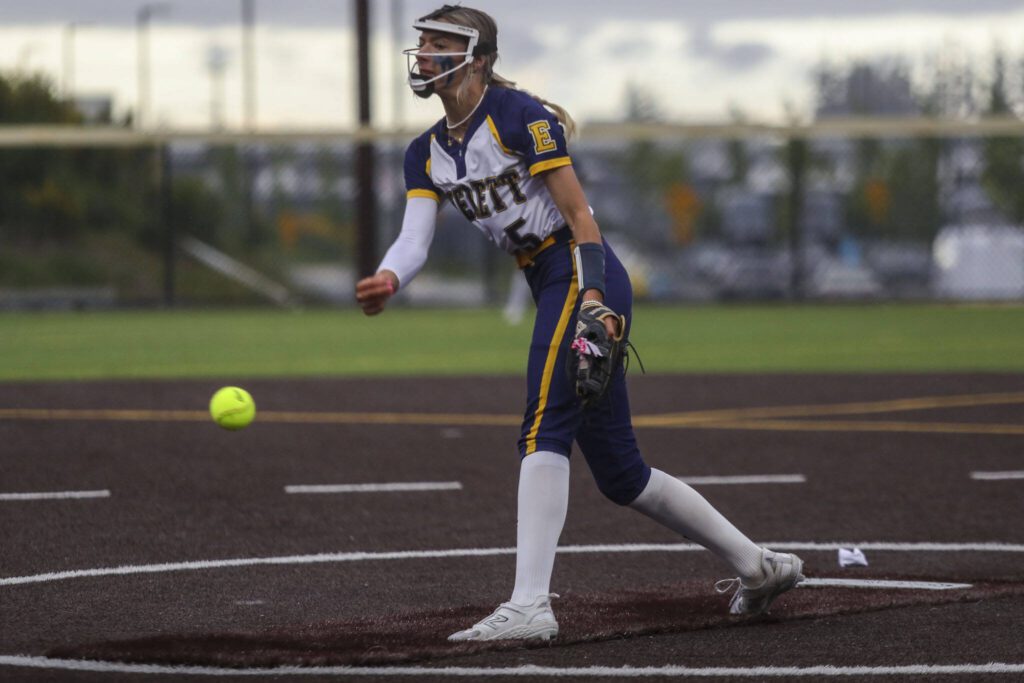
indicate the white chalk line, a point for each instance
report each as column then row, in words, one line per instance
column 360, row 556
column 55, row 495
column 375, row 488
column 524, row 670
column 746, row 479
column 997, row 476
column 388, row 487
column 884, row 583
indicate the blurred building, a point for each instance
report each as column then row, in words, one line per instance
column 95, row 110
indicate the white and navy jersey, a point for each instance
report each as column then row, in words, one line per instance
column 491, row 177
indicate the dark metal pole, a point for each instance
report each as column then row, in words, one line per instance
column 796, row 153
column 248, row 64
column 397, row 66
column 68, row 50
column 396, row 149
column 252, row 228
column 164, row 200
column 142, row 18
column 366, row 202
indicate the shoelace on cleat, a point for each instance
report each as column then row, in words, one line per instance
column 726, row 585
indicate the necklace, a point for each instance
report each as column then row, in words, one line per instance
column 453, row 126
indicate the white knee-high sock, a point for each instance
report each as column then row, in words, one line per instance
column 676, row 505
column 543, row 501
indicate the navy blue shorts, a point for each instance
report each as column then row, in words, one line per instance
column 554, row 417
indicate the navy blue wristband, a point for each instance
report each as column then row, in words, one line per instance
column 590, row 266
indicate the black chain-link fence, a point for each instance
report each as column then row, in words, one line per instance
column 694, row 218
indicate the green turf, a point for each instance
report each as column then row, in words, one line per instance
column 258, row 343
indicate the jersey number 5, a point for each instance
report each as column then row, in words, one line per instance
column 541, row 132
column 524, row 242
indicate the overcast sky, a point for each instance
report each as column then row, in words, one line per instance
column 701, row 58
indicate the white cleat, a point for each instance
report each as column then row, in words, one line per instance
column 515, row 622
column 782, row 572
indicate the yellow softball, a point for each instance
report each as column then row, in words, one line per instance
column 232, row 408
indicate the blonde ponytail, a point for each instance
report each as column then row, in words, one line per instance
column 488, row 29
column 563, row 116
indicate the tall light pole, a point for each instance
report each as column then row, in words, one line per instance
column 68, row 55
column 248, row 64
column 216, row 62
column 252, row 226
column 142, row 20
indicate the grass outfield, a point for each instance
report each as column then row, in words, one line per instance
column 263, row 343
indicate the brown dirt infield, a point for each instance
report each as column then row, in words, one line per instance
column 887, row 459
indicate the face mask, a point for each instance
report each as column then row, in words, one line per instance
column 423, row 86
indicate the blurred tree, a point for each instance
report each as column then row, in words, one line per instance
column 684, row 208
column 70, row 214
column 34, row 199
column 865, row 213
column 656, row 175
column 739, row 158
column 641, row 104
column 877, row 201
column 864, row 88
column 225, row 175
column 335, row 211
column 50, row 194
column 196, row 209
column 895, row 192
column 948, row 86
column 30, row 99
column 911, row 177
column 1003, row 177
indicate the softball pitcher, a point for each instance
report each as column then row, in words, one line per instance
column 499, row 156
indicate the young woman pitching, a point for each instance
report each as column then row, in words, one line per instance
column 499, row 156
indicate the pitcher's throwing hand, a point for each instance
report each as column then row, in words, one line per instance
column 374, row 291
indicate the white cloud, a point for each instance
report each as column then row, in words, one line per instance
column 307, row 74
column 909, row 34
column 588, row 73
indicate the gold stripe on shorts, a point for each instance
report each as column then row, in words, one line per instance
column 549, row 364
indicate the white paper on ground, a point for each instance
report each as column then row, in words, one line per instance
column 852, row 557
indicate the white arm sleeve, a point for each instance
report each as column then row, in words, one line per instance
column 407, row 255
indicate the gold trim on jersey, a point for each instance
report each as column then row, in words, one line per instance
column 549, row 164
column 426, row 194
column 524, row 259
column 494, row 132
column 549, row 363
